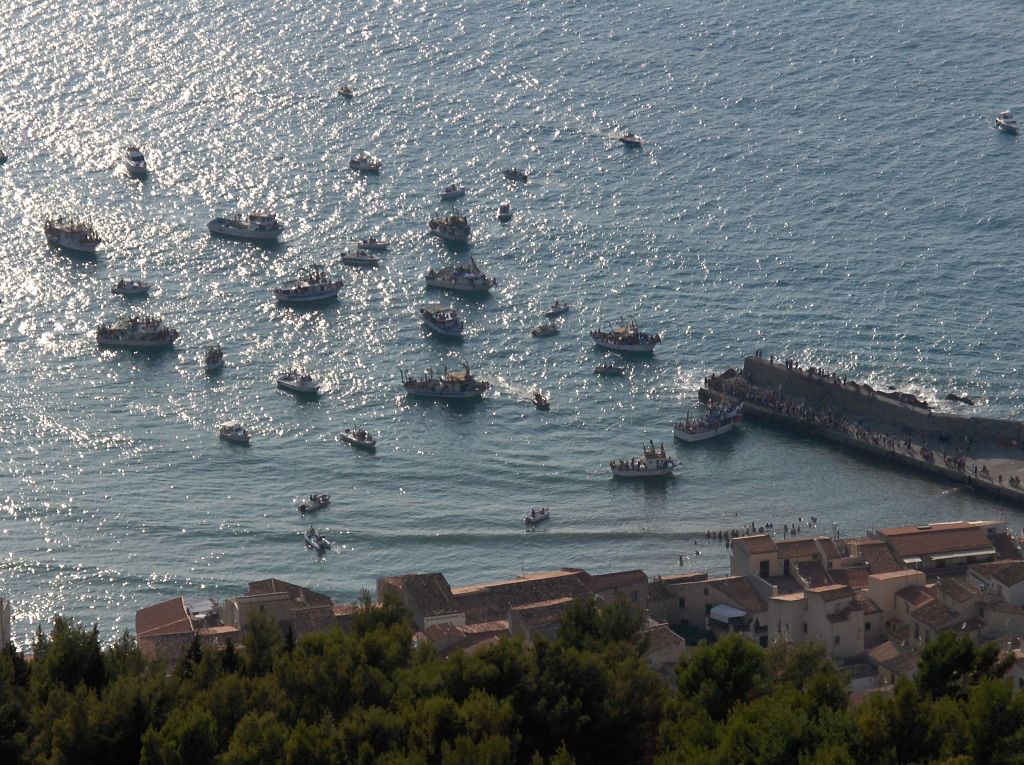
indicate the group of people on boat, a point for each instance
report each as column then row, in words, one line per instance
column 640, row 465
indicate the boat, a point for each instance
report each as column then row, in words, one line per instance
column 359, row 258
column 609, row 370
column 504, row 212
column 213, row 359
column 541, row 401
column 3, row 157
column 360, row 439
column 451, row 228
column 515, row 174
column 1007, row 123
column 443, row 320
column 460, row 385
column 313, row 502
column 631, row 140
column 316, row 541
column 627, row 338
column 146, row 333
column 460, row 278
column 544, row 330
column 365, row 163
column 234, row 432
column 372, row 244
column 71, row 234
column 298, row 381
column 450, row 193
column 557, row 309
column 261, row 226
column 345, row 91
column 715, row 422
column 654, row 464
column 131, row 287
column 312, row 285
column 537, row 515
column 134, row 162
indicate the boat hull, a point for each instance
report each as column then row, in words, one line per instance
column 137, row 345
column 235, row 232
column 460, row 395
column 234, row 439
column 624, row 347
column 283, row 296
column 66, row 243
column 441, row 330
column 458, row 286
column 682, row 434
column 298, row 389
column 366, row 446
column 641, row 474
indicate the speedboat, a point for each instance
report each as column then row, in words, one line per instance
column 312, row 285
column 1007, row 123
column 452, row 192
column 213, row 359
column 557, row 309
column 460, row 278
column 631, row 140
column 134, row 162
column 360, row 439
column 345, row 91
column 541, row 401
column 298, row 381
column 313, row 502
column 544, row 330
column 654, row 464
column 365, row 163
column 70, row 234
column 234, row 432
column 716, row 422
column 504, row 212
column 261, row 226
column 515, row 174
column 131, row 287
column 628, row 338
column 537, row 515
column 443, row 320
column 147, row 333
column 372, row 244
column 359, row 258
column 609, row 370
column 316, row 542
column 460, row 385
column 451, row 228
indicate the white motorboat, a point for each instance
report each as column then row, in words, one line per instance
column 654, row 464
column 345, row 92
column 515, row 174
column 628, row 338
column 451, row 228
column 541, row 401
column 134, row 162
column 360, row 439
column 557, row 309
column 1007, row 123
column 234, row 432
column 460, row 278
column 298, row 381
column 609, row 370
column 545, row 330
column 453, row 192
column 537, row 515
column 456, row 385
column 365, row 163
column 259, row 226
column 359, row 258
column 213, row 359
column 504, row 212
column 70, row 234
column 131, row 287
column 316, row 542
column 715, row 422
column 313, row 502
column 443, row 320
column 631, row 140
column 372, row 244
column 147, row 333
column 312, row 286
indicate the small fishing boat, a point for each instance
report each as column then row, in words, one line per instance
column 545, row 330
column 1007, row 123
column 234, row 432
column 360, row 439
column 557, row 309
column 134, row 162
column 609, row 370
column 452, row 385
column 537, row 515
column 515, row 174
column 213, row 359
column 313, row 285
column 359, row 258
column 298, row 381
column 453, row 192
column 146, row 333
column 631, row 140
column 365, row 163
column 316, row 542
column 71, row 234
column 460, row 278
column 258, row 226
column 504, row 212
column 715, row 422
column 541, row 401
column 313, row 502
column 451, row 228
column 628, row 339
column 131, row 288
column 372, row 244
column 444, row 320
column 654, row 464
column 345, row 92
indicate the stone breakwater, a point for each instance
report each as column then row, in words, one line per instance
column 982, row 452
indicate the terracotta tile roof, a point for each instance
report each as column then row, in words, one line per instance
column 890, row 656
column 612, row 581
column 658, row 591
column 916, row 596
column 1008, row 572
column 1006, row 548
column 545, row 612
column 660, row 637
column 939, row 538
column 501, row 625
column 867, row 605
column 295, row 592
column 167, row 618
column 879, row 558
column 812, row 572
column 957, row 590
column 828, row 546
column 221, row 631
column 486, row 643
column 430, row 592
column 936, row 615
column 741, row 592
column 755, row 545
column 493, row 601
column 832, row 592
column 798, row 548
column 854, row 576
column 693, row 576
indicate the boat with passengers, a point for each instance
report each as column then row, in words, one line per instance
column 449, row 384
column 312, row 286
column 138, row 333
column 71, row 234
column 716, row 421
column 258, row 226
column 442, row 319
column 628, row 338
column 451, row 228
column 460, row 278
column 654, row 464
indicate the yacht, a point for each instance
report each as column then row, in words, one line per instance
column 147, row 333
column 460, row 278
column 627, row 338
column 654, row 464
column 260, row 226
column 1007, row 123
column 373, row 244
column 515, row 174
column 298, row 381
column 504, row 212
column 359, row 258
column 716, row 422
column 451, row 228
column 557, row 309
column 234, row 432
column 360, row 439
column 365, row 163
column 457, row 385
column 71, row 234
column 213, row 359
column 453, row 192
column 131, row 287
column 316, row 542
column 134, row 162
column 544, row 330
column 312, row 285
column 631, row 140
column 537, row 515
column 541, row 401
column 443, row 320
column 313, row 502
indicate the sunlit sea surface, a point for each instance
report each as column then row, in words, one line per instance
column 821, row 181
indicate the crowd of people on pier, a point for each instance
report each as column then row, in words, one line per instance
column 750, row 529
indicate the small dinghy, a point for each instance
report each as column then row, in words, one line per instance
column 131, row 288
column 453, row 192
column 545, row 330
column 213, row 359
column 360, row 439
column 609, row 370
column 316, row 541
column 504, row 212
column 314, row 502
column 541, row 401
column 537, row 515
column 234, row 433
column 557, row 309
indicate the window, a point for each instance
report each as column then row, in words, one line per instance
column 682, row 602
column 763, row 568
column 763, row 640
column 835, row 640
column 867, row 626
column 705, row 592
column 805, row 628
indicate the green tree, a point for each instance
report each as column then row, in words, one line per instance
column 719, row 676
